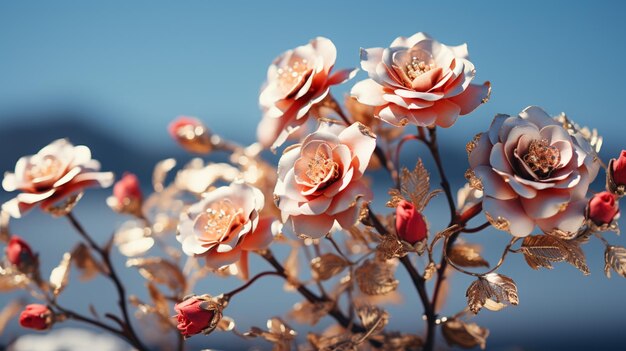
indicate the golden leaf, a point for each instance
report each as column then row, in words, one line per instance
column 464, row 335
column 414, row 187
column 158, row 300
column 375, row 278
column 542, row 250
column 338, row 342
column 4, row 226
column 159, row 271
column 306, row 312
column 492, row 291
column 466, row 255
column 327, row 266
column 471, row 145
column 395, row 341
column 161, row 169
column 133, row 239
column 84, row 261
column 59, row 277
column 390, row 247
column 429, row 271
column 9, row 311
column 292, row 267
column 226, row 324
column 473, row 181
column 373, row 318
column 615, row 257
column 11, row 279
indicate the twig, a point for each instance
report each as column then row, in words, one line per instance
column 230, row 294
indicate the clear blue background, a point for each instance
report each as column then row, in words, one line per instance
column 112, row 75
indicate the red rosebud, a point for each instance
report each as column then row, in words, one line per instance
column 603, row 208
column 127, row 189
column 193, row 319
column 18, row 251
column 619, row 169
column 35, row 316
column 191, row 134
column 410, row 224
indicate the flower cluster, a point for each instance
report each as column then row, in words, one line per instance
column 531, row 175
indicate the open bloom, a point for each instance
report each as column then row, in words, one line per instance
column 196, row 315
column 296, row 80
column 532, row 172
column 420, row 81
column 319, row 181
column 603, row 208
column 54, row 173
column 225, row 225
column 36, row 316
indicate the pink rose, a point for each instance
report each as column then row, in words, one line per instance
column 319, row 181
column 36, row 316
column 296, row 80
column 603, row 208
column 127, row 188
column 225, row 225
column 19, row 252
column 410, row 224
column 420, row 81
column 191, row 134
column 619, row 169
column 54, row 173
column 533, row 172
column 193, row 318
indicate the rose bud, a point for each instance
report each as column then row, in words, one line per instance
column 197, row 314
column 603, row 208
column 127, row 196
column 18, row 252
column 191, row 134
column 617, row 175
column 410, row 224
column 36, row 316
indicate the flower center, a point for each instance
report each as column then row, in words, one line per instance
column 542, row 158
column 417, row 62
column 46, row 167
column 219, row 218
column 320, row 167
column 292, row 76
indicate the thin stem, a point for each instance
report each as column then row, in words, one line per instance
column 445, row 184
column 112, row 275
column 476, row 229
column 506, row 250
column 229, row 295
column 79, row 317
column 337, row 248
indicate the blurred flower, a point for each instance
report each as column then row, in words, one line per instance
column 36, row 316
column 68, row 340
column 19, row 252
column 225, row 225
column 296, row 80
column 127, row 196
column 468, row 197
column 197, row 314
column 56, row 172
column 191, row 134
column 420, row 81
column 410, row 224
column 532, row 173
column 319, row 181
column 603, row 208
column 616, row 175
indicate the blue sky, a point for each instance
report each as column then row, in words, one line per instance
column 131, row 67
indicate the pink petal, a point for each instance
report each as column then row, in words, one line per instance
column 342, row 76
column 520, row 224
column 472, row 97
column 217, row 260
column 447, row 113
column 360, row 142
column 546, row 204
column 312, row 226
column 369, row 92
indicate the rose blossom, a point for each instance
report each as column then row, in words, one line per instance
column 619, row 169
column 420, row 81
column 193, row 319
column 603, row 208
column 225, row 225
column 18, row 251
column 296, row 80
column 410, row 224
column 319, row 181
column 532, row 173
column 54, row 173
column 36, row 316
column 191, row 134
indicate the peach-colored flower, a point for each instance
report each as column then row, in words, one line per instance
column 319, row 181
column 54, row 173
column 225, row 225
column 420, row 81
column 533, row 172
column 296, row 80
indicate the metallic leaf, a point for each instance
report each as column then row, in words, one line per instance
column 414, row 187
column 373, row 318
column 159, row 271
column 306, row 312
column 375, row 278
column 158, row 300
column 543, row 250
column 464, row 335
column 11, row 279
column 161, row 169
column 327, row 266
column 59, row 277
column 84, row 261
column 615, row 258
column 492, row 291
column 467, row 255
